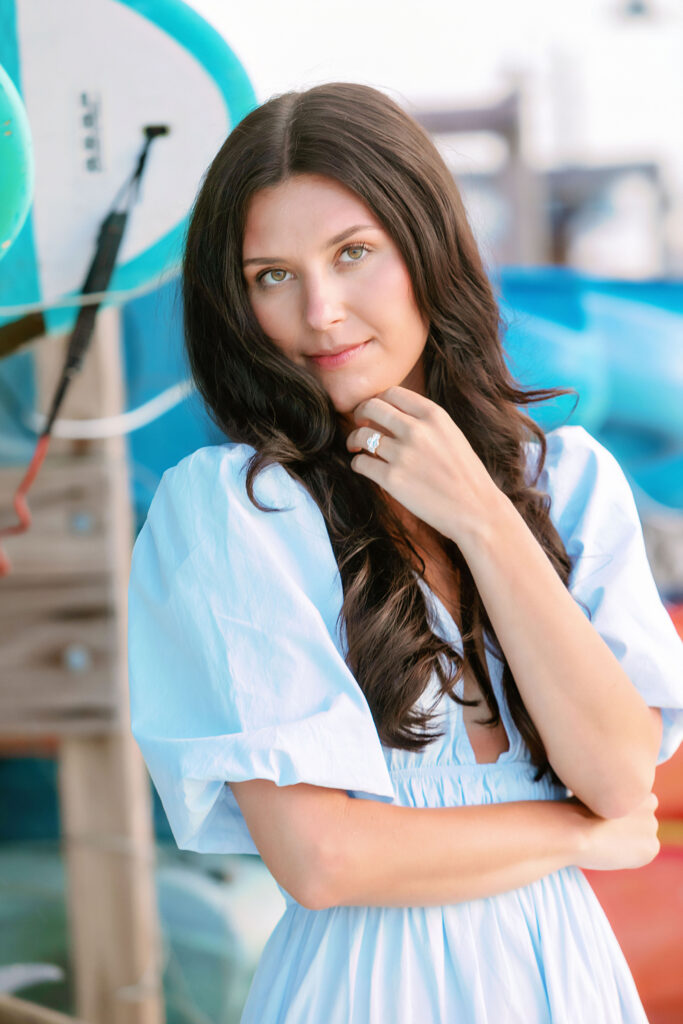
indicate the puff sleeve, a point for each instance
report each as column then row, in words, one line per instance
column 595, row 513
column 235, row 668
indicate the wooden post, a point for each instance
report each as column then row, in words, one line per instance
column 104, row 786
column 65, row 675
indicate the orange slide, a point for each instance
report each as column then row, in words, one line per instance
column 645, row 907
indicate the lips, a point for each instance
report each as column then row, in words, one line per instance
column 335, row 351
column 341, row 356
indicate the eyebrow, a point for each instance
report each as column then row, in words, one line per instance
column 333, row 241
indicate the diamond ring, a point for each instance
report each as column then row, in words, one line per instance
column 373, row 441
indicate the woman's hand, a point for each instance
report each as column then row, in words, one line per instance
column 425, row 462
column 611, row 844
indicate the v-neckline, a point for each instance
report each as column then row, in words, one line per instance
column 456, row 640
column 445, row 612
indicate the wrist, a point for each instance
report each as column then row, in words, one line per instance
column 490, row 527
column 580, row 821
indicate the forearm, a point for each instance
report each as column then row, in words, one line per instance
column 597, row 729
column 387, row 855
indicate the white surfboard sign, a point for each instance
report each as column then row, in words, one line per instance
column 92, row 74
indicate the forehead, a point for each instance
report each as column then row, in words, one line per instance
column 304, row 209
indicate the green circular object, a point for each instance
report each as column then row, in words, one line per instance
column 16, row 163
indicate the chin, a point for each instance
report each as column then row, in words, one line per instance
column 346, row 402
column 346, row 406
column 345, row 412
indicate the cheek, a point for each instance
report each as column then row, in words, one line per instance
column 260, row 309
column 271, row 314
column 392, row 295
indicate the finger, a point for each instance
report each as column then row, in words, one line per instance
column 367, row 465
column 385, row 415
column 409, row 402
column 359, row 439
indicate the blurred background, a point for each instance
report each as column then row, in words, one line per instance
column 561, row 124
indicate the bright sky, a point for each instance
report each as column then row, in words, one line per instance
column 600, row 87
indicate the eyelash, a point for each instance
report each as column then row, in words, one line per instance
column 350, row 245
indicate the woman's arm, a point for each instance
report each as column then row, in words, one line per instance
column 386, row 855
column 600, row 735
column 329, row 849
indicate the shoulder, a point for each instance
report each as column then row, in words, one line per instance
column 221, row 470
column 572, row 453
column 202, row 506
column 576, row 465
column 212, row 481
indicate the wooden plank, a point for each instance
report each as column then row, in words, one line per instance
column 72, row 518
column 105, row 798
column 18, row 1011
column 59, row 650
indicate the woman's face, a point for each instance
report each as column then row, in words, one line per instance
column 323, row 275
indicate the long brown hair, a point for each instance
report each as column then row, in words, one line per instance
column 257, row 396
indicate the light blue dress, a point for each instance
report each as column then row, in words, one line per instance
column 237, row 672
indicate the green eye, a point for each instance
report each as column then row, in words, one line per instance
column 358, row 249
column 356, row 253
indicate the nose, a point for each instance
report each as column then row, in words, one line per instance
column 324, row 305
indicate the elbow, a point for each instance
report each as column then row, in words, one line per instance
column 315, row 897
column 620, row 792
column 328, row 872
column 617, row 803
column 642, row 782
column 315, row 890
column 329, row 856
column 308, row 889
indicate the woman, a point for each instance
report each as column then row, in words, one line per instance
column 306, row 662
